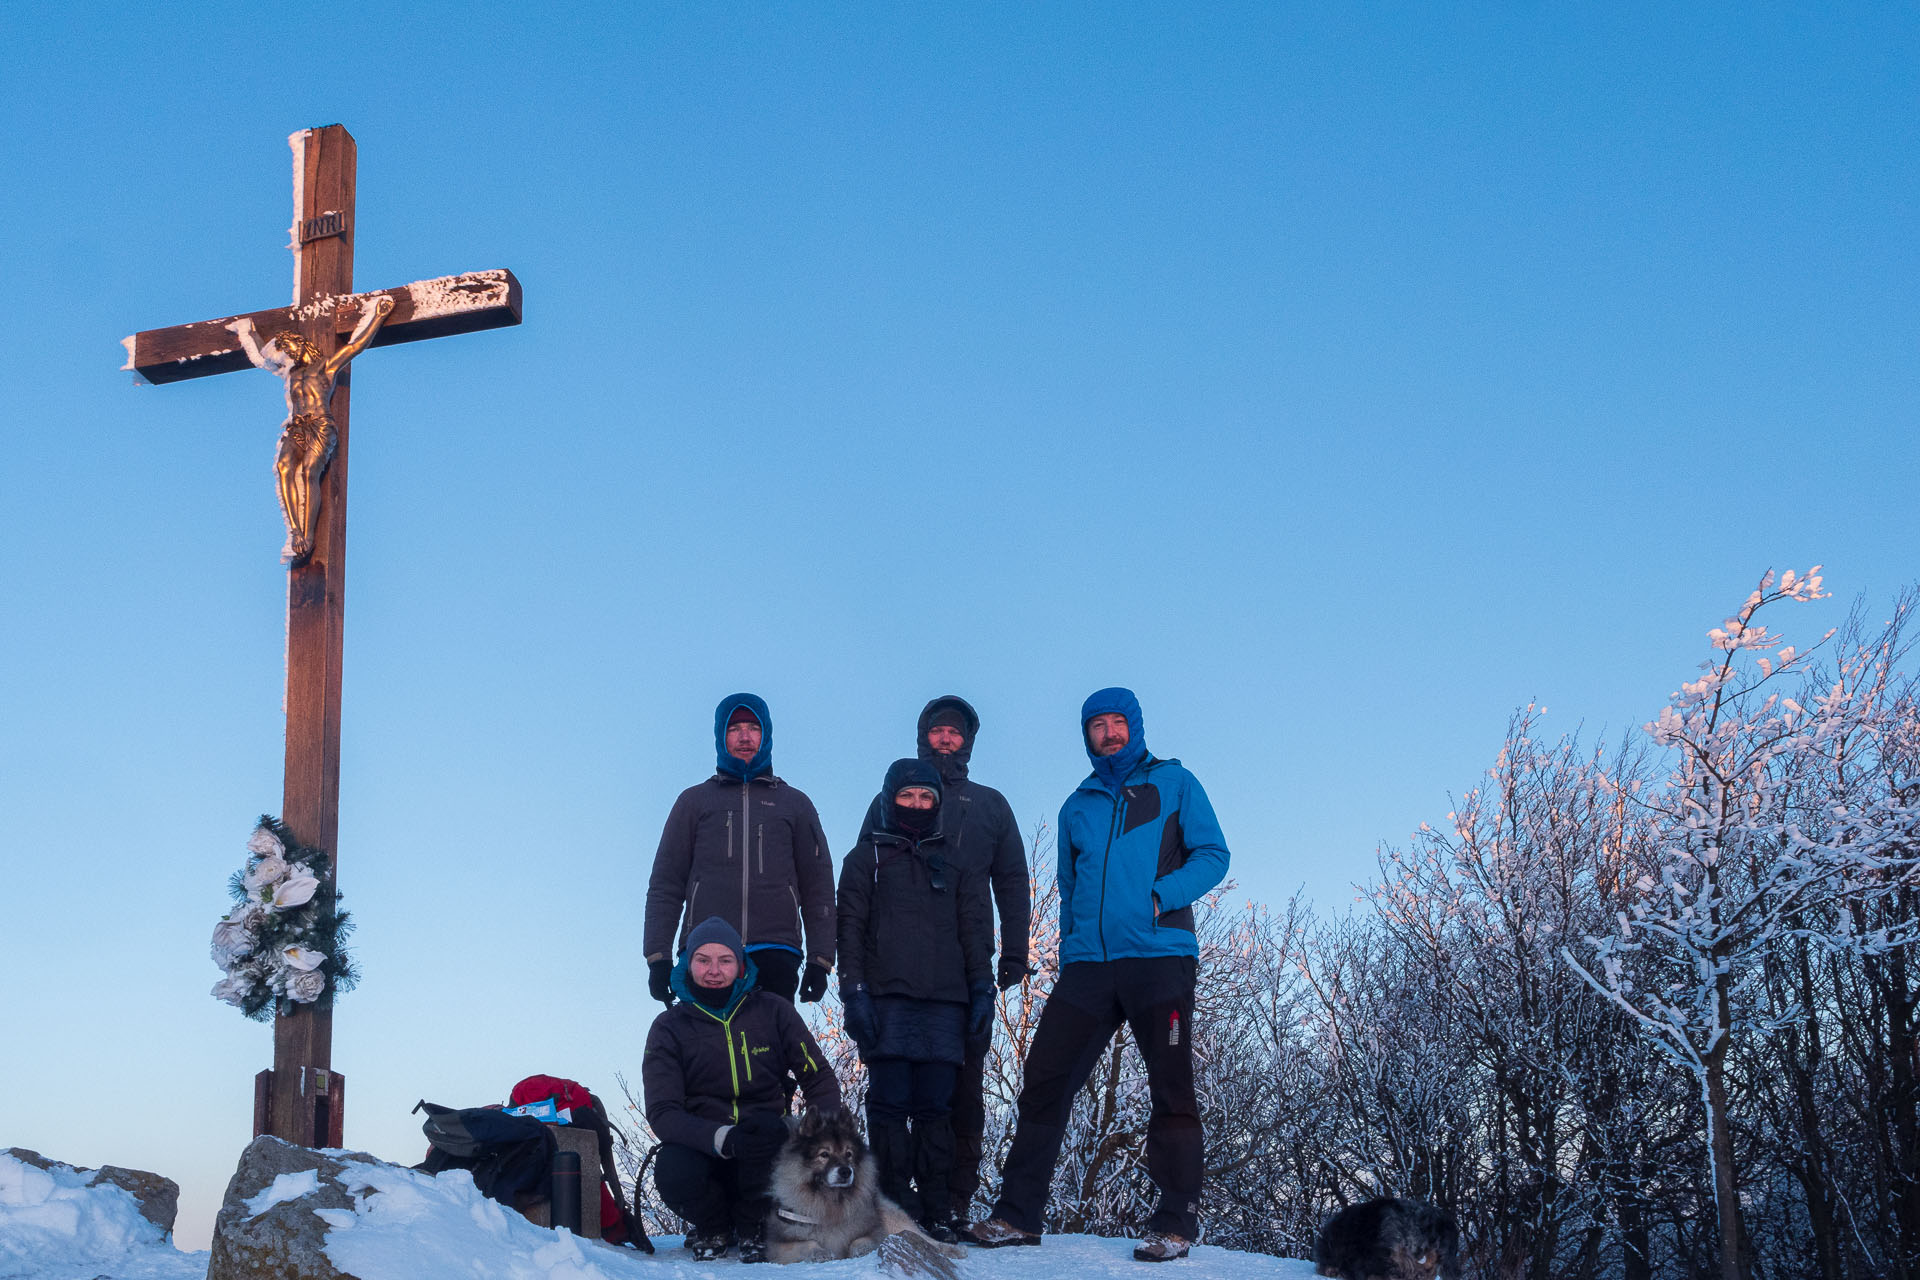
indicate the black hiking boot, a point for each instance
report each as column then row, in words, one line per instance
column 752, row 1241
column 705, row 1246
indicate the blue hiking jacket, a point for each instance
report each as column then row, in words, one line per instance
column 1125, row 838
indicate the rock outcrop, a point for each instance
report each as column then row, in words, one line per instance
column 267, row 1228
column 158, row 1197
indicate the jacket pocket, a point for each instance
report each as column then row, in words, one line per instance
column 1178, row 918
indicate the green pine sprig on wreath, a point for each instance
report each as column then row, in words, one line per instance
column 284, row 941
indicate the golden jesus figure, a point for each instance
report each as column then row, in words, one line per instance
column 307, row 438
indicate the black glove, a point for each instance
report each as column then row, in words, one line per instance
column 862, row 1023
column 814, row 984
column 758, row 1136
column 1011, row 971
column 979, row 1011
column 660, row 981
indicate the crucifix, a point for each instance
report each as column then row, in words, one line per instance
column 308, row 345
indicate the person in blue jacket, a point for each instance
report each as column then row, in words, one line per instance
column 1138, row 846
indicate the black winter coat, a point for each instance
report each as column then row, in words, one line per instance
column 705, row 1068
column 982, row 835
column 903, row 937
column 751, row 853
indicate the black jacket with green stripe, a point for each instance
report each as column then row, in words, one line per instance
column 706, row 1068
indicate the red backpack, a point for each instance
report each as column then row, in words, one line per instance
column 617, row 1224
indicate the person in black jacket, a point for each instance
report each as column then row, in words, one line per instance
column 981, row 836
column 744, row 846
column 714, row 1081
column 916, row 949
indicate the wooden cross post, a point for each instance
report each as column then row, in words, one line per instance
column 301, row 1098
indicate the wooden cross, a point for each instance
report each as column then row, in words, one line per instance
column 301, row 1098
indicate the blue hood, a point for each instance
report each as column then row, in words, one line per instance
column 1112, row 770
column 762, row 761
column 714, row 929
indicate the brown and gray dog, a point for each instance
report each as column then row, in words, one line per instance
column 1389, row 1239
column 827, row 1204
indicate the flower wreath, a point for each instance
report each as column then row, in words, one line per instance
column 282, row 944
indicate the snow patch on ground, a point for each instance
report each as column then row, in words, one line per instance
column 288, row 1186
column 408, row 1226
column 53, row 1226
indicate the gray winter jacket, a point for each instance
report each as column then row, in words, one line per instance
column 751, row 853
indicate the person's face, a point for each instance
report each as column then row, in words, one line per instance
column 714, row 965
column 1107, row 733
column 915, row 798
column 743, row 740
column 944, row 739
column 295, row 348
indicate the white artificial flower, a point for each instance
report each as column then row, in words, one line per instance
column 265, row 843
column 294, row 891
column 233, row 989
column 302, row 960
column 269, row 870
column 305, row 987
column 232, row 939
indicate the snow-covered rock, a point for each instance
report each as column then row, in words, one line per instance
column 270, row 1223
column 158, row 1197
column 62, row 1223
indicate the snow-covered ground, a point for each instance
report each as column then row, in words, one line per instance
column 407, row 1226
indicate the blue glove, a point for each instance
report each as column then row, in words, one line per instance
column 862, row 1023
column 980, row 1010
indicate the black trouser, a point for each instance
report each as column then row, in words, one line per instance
column 911, row 1133
column 779, row 972
column 969, row 1125
column 712, row 1193
column 1153, row 996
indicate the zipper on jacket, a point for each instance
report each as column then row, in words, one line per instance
column 746, row 886
column 760, row 847
column 726, row 1037
column 1106, row 856
column 746, row 1056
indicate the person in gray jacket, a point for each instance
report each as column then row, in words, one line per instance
column 748, row 848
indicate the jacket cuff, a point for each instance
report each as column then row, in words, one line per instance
column 720, row 1139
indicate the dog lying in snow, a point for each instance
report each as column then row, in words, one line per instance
column 1389, row 1239
column 827, row 1204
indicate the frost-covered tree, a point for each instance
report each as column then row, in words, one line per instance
column 1739, row 872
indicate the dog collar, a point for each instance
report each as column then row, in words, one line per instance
column 790, row 1216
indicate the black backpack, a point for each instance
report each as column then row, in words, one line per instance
column 507, row 1155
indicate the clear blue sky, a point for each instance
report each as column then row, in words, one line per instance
column 1339, row 378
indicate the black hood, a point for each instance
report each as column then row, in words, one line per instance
column 952, row 768
column 911, row 773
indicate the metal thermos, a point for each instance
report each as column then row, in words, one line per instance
column 566, row 1191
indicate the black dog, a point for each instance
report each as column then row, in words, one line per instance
column 1389, row 1239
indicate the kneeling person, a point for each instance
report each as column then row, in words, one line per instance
column 713, row 1078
